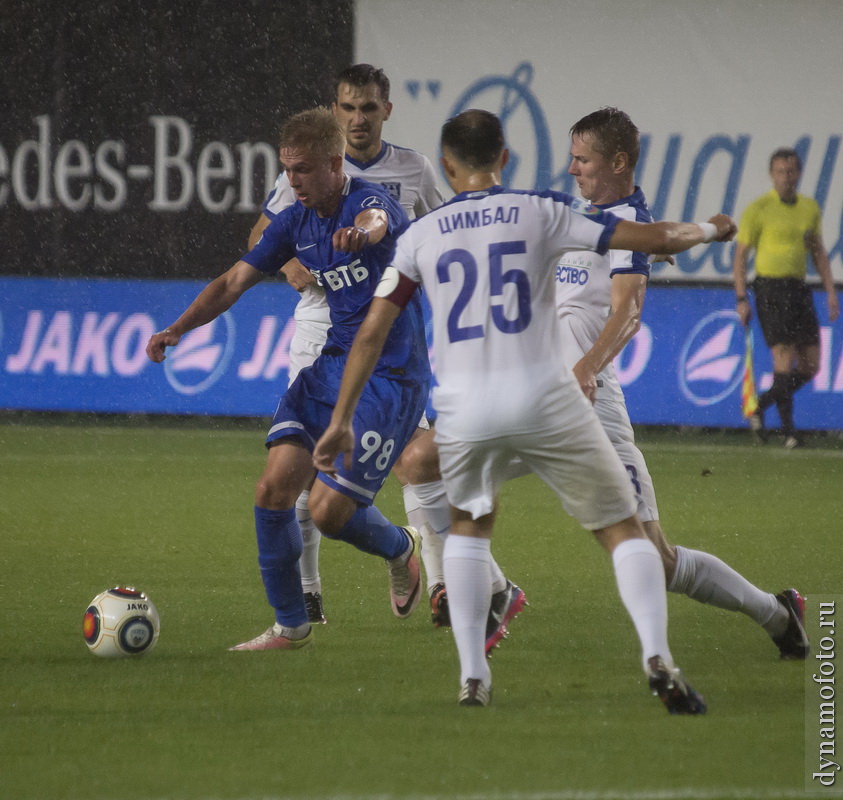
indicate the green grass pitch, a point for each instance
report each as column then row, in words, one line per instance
column 370, row 711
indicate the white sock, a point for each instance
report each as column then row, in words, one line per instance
column 434, row 503
column 433, row 500
column 498, row 578
column 707, row 579
column 299, row 632
column 309, row 561
column 412, row 508
column 436, row 512
column 469, row 585
column 640, row 576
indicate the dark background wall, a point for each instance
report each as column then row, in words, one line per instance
column 137, row 139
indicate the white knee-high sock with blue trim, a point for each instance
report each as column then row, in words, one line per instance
column 468, row 581
column 640, row 576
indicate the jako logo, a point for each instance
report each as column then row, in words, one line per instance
column 711, row 359
column 201, row 357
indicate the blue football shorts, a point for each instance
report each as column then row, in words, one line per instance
column 386, row 417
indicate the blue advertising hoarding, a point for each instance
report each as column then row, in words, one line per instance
column 79, row 345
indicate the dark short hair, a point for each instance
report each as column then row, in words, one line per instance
column 786, row 153
column 474, row 137
column 361, row 75
column 612, row 131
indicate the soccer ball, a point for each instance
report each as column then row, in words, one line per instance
column 121, row 622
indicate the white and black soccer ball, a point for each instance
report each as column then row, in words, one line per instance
column 121, row 622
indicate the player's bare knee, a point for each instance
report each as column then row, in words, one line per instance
column 399, row 469
column 668, row 554
column 269, row 493
column 330, row 511
column 808, row 362
column 612, row 535
column 666, row 550
column 287, row 472
column 419, row 462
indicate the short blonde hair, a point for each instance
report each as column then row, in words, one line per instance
column 315, row 131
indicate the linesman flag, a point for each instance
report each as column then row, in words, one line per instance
column 749, row 399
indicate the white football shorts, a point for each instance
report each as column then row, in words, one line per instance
column 574, row 458
column 614, row 417
column 306, row 344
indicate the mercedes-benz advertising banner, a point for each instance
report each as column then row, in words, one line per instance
column 140, row 139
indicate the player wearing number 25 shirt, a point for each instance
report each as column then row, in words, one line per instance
column 396, row 399
column 487, row 260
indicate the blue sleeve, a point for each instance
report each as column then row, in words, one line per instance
column 610, row 222
column 640, row 266
column 368, row 196
column 398, row 219
column 276, row 247
column 624, row 262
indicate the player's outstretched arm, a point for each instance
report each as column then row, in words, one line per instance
column 218, row 296
column 370, row 226
column 671, row 237
column 362, row 358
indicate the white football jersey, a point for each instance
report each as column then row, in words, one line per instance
column 410, row 179
column 487, row 262
column 584, row 290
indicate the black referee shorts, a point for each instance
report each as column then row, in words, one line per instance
column 786, row 312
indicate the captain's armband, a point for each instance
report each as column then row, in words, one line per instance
column 396, row 287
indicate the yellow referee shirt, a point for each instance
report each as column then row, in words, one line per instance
column 776, row 230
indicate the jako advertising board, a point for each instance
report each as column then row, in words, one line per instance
column 79, row 345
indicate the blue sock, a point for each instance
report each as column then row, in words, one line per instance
column 370, row 531
column 280, row 546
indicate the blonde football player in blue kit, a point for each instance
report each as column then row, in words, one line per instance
column 361, row 107
column 344, row 230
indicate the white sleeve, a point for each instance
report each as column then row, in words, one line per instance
column 429, row 195
column 620, row 260
column 281, row 197
column 404, row 259
column 568, row 230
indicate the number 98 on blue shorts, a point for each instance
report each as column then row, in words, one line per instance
column 388, row 413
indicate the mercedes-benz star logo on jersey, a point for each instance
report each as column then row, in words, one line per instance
column 372, row 202
column 200, row 359
column 711, row 359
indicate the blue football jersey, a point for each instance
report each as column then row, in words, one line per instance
column 349, row 279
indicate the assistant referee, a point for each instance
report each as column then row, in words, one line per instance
column 783, row 226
